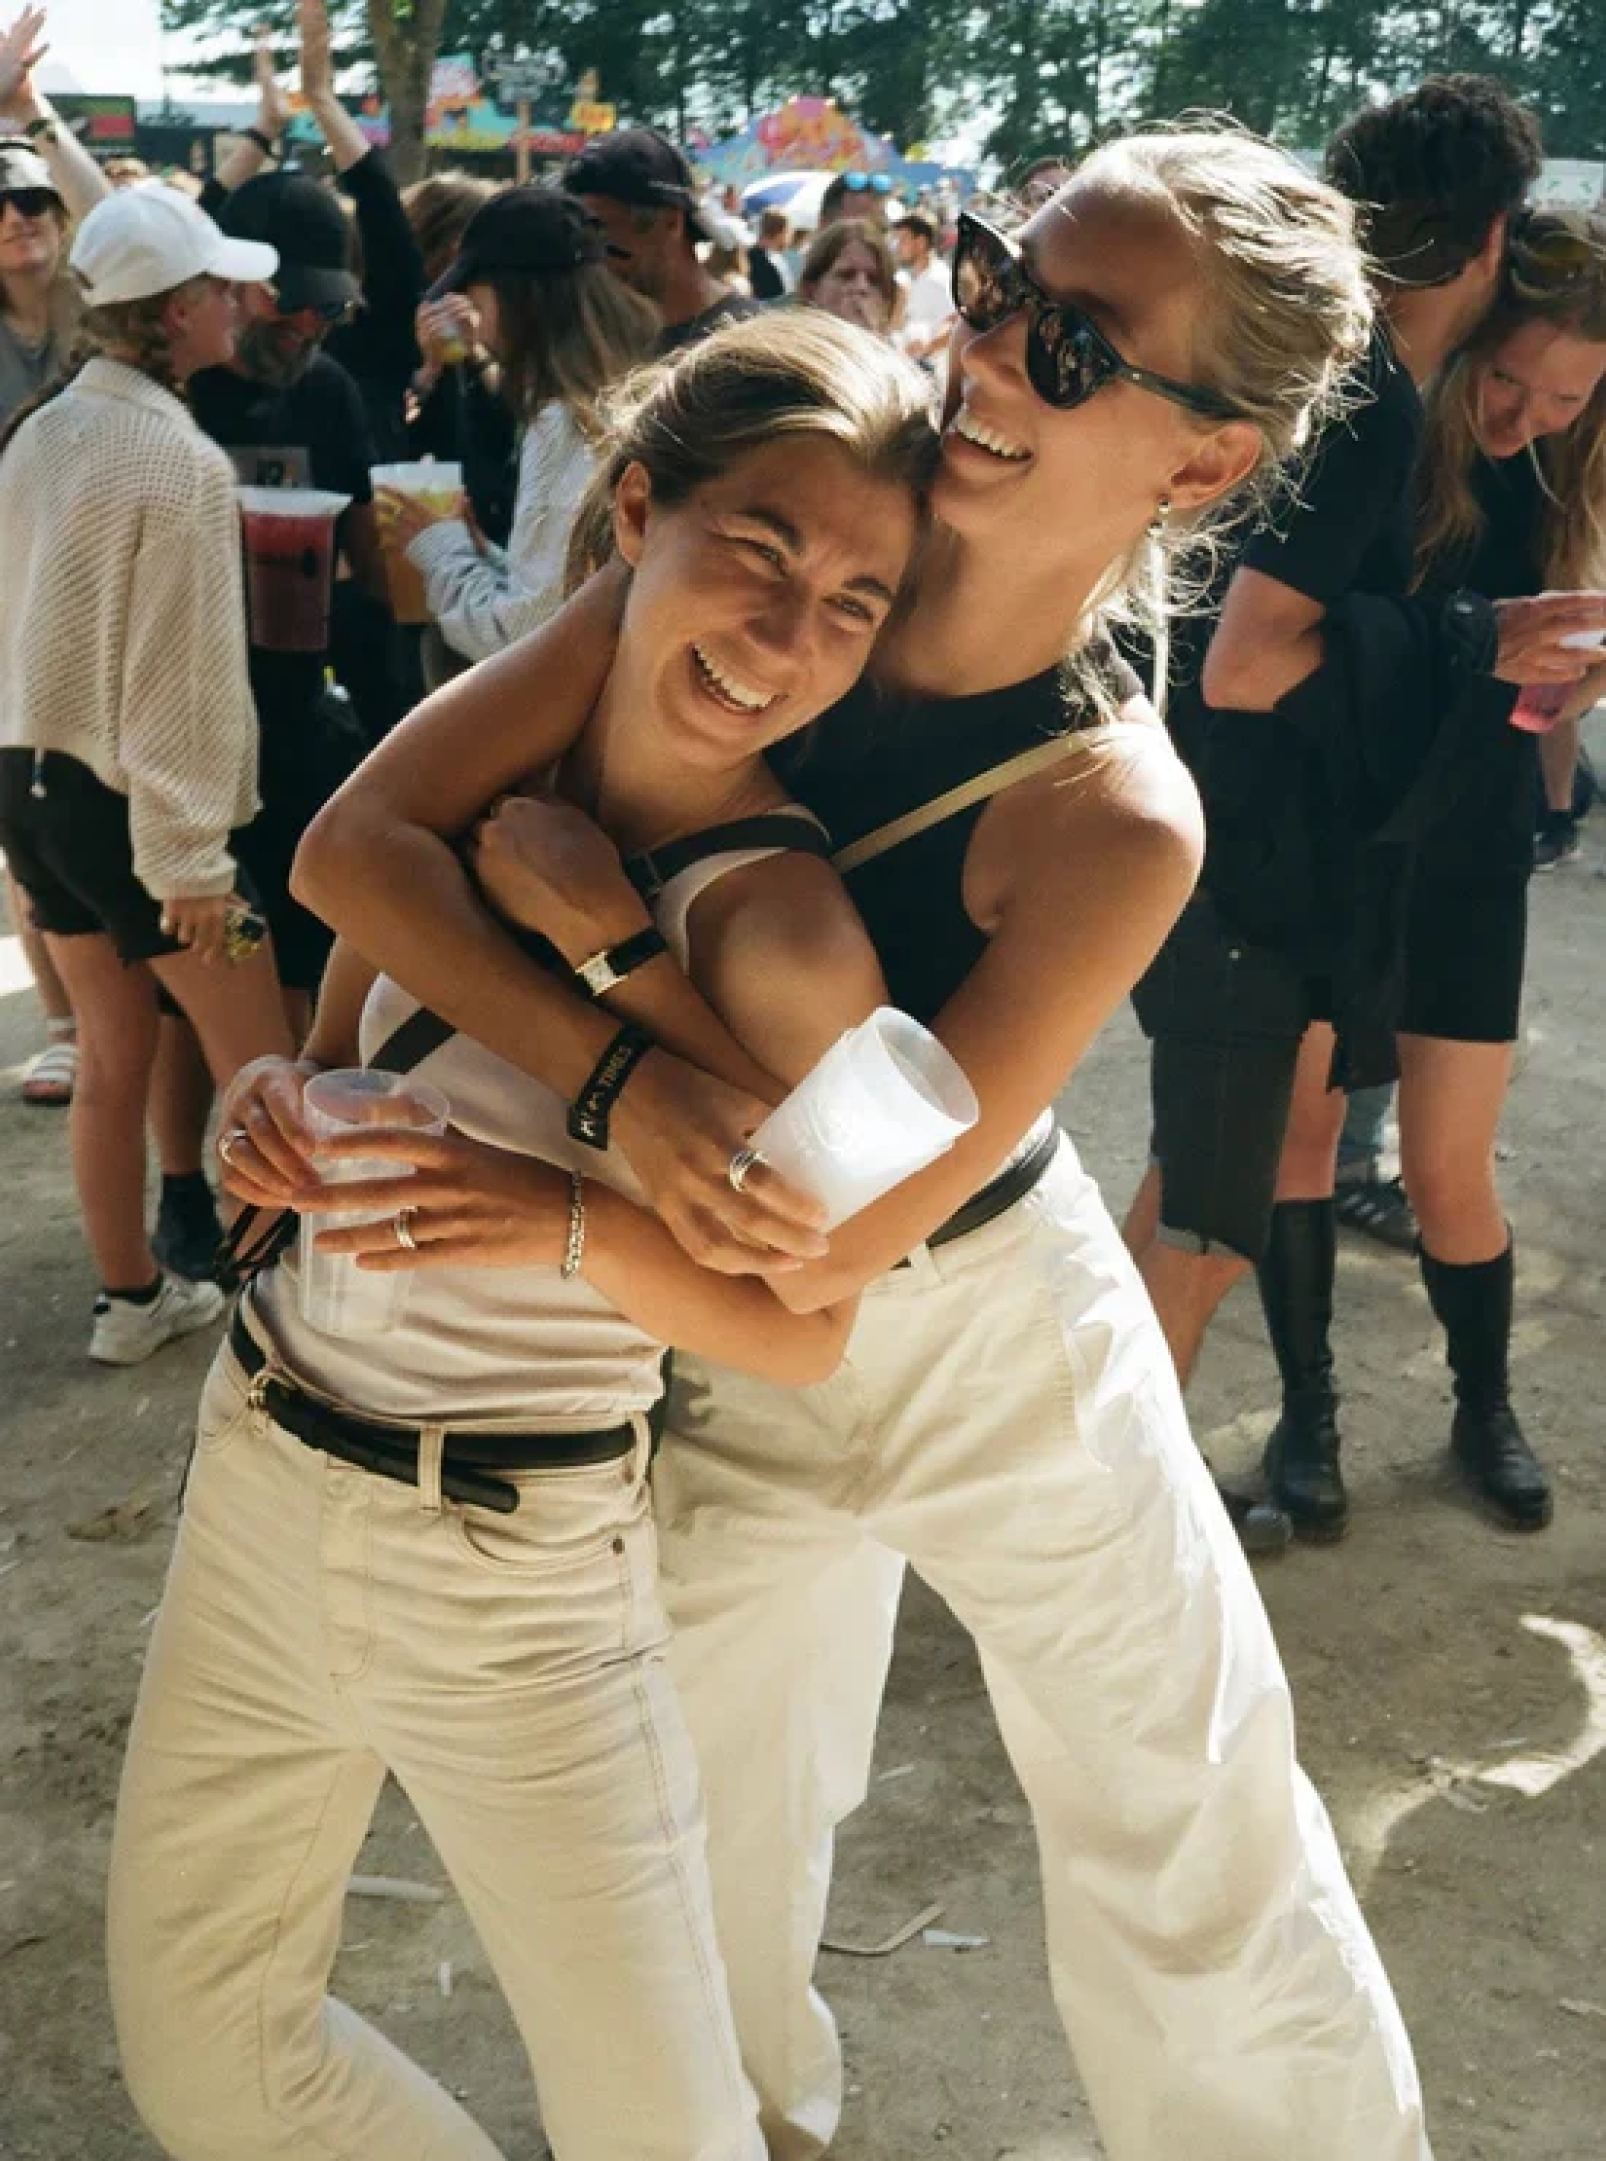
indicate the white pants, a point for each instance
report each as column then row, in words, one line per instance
column 1007, row 1420
column 321, row 1626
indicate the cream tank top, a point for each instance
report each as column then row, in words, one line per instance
column 512, row 1347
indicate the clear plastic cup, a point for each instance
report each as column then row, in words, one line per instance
column 290, row 565
column 441, row 487
column 884, row 1101
column 335, row 1295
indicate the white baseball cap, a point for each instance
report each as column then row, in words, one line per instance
column 148, row 240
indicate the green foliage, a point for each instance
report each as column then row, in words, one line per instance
column 1028, row 77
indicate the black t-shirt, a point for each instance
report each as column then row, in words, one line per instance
column 729, row 308
column 764, row 276
column 315, row 434
column 1353, row 527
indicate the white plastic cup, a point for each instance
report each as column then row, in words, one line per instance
column 289, row 565
column 336, row 1296
column 885, row 1101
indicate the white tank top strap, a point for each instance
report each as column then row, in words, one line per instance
column 673, row 900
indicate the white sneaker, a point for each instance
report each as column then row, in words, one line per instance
column 125, row 1333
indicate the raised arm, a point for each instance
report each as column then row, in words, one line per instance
column 259, row 146
column 78, row 179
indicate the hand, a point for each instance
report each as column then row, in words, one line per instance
column 269, row 1160
column 679, row 1129
column 317, row 57
column 273, row 107
column 472, row 1205
column 448, row 331
column 1531, row 632
column 22, row 47
column 197, row 923
column 403, row 517
column 544, row 865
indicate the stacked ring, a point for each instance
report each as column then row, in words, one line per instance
column 228, row 1142
column 404, row 1229
column 741, row 1167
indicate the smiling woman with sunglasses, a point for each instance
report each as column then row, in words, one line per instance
column 1019, row 837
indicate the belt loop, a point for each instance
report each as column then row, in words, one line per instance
column 640, row 1457
column 431, row 1451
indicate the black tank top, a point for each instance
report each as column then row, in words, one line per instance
column 876, row 756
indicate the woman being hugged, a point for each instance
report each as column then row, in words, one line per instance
column 1148, row 350
column 429, row 1552
column 128, row 746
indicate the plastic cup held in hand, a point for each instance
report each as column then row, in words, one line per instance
column 290, row 565
column 884, row 1101
column 335, row 1295
column 441, row 488
column 1539, row 708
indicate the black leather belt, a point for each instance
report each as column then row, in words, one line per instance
column 1006, row 1189
column 468, row 1460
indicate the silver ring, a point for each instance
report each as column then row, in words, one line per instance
column 404, row 1229
column 741, row 1167
column 228, row 1142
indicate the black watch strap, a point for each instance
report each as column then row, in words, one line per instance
column 603, row 971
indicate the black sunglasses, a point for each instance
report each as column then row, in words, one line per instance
column 31, row 202
column 1068, row 357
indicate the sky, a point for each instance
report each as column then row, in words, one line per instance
column 108, row 45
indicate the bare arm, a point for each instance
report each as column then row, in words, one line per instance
column 348, row 145
column 1267, row 641
column 78, row 179
column 248, row 158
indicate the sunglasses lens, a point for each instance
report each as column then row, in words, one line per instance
column 987, row 283
column 29, row 202
column 1062, row 358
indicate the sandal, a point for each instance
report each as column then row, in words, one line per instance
column 1378, row 1207
column 49, row 1076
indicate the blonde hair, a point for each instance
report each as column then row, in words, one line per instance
column 134, row 327
column 1571, row 466
column 793, row 373
column 1287, row 314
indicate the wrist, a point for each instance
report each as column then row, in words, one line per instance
column 264, row 137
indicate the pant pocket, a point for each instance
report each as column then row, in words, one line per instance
column 564, row 1519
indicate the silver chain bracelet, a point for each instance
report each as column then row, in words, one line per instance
column 575, row 1252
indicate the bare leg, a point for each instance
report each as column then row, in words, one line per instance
column 181, row 1099
column 1451, row 1097
column 117, row 1019
column 237, row 1012
column 1186, row 1288
column 35, row 951
column 1316, row 1119
column 1558, row 762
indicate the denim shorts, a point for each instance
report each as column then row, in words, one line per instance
column 1225, row 1020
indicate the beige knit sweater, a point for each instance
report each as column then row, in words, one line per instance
column 122, row 619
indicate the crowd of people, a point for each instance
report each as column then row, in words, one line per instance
column 1184, row 585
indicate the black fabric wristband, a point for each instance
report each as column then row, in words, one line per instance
column 265, row 143
column 588, row 1113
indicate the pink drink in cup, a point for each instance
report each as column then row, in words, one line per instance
column 289, row 565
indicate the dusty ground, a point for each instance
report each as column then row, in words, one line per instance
column 1426, row 1654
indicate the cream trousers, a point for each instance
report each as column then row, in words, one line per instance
column 320, row 1627
column 1007, row 1420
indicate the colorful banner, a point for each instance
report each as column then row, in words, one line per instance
column 815, row 135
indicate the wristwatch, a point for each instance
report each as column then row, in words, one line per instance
column 604, row 971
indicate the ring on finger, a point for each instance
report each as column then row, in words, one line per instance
column 228, row 1142
column 405, row 1219
column 742, row 1165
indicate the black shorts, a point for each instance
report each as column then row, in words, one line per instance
column 1225, row 1019
column 1466, row 946
column 71, row 851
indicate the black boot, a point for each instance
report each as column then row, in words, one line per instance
column 1296, row 1290
column 1473, row 1306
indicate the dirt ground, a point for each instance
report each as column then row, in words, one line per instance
column 1451, row 1684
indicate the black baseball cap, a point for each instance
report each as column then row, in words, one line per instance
column 535, row 231
column 306, row 224
column 638, row 166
